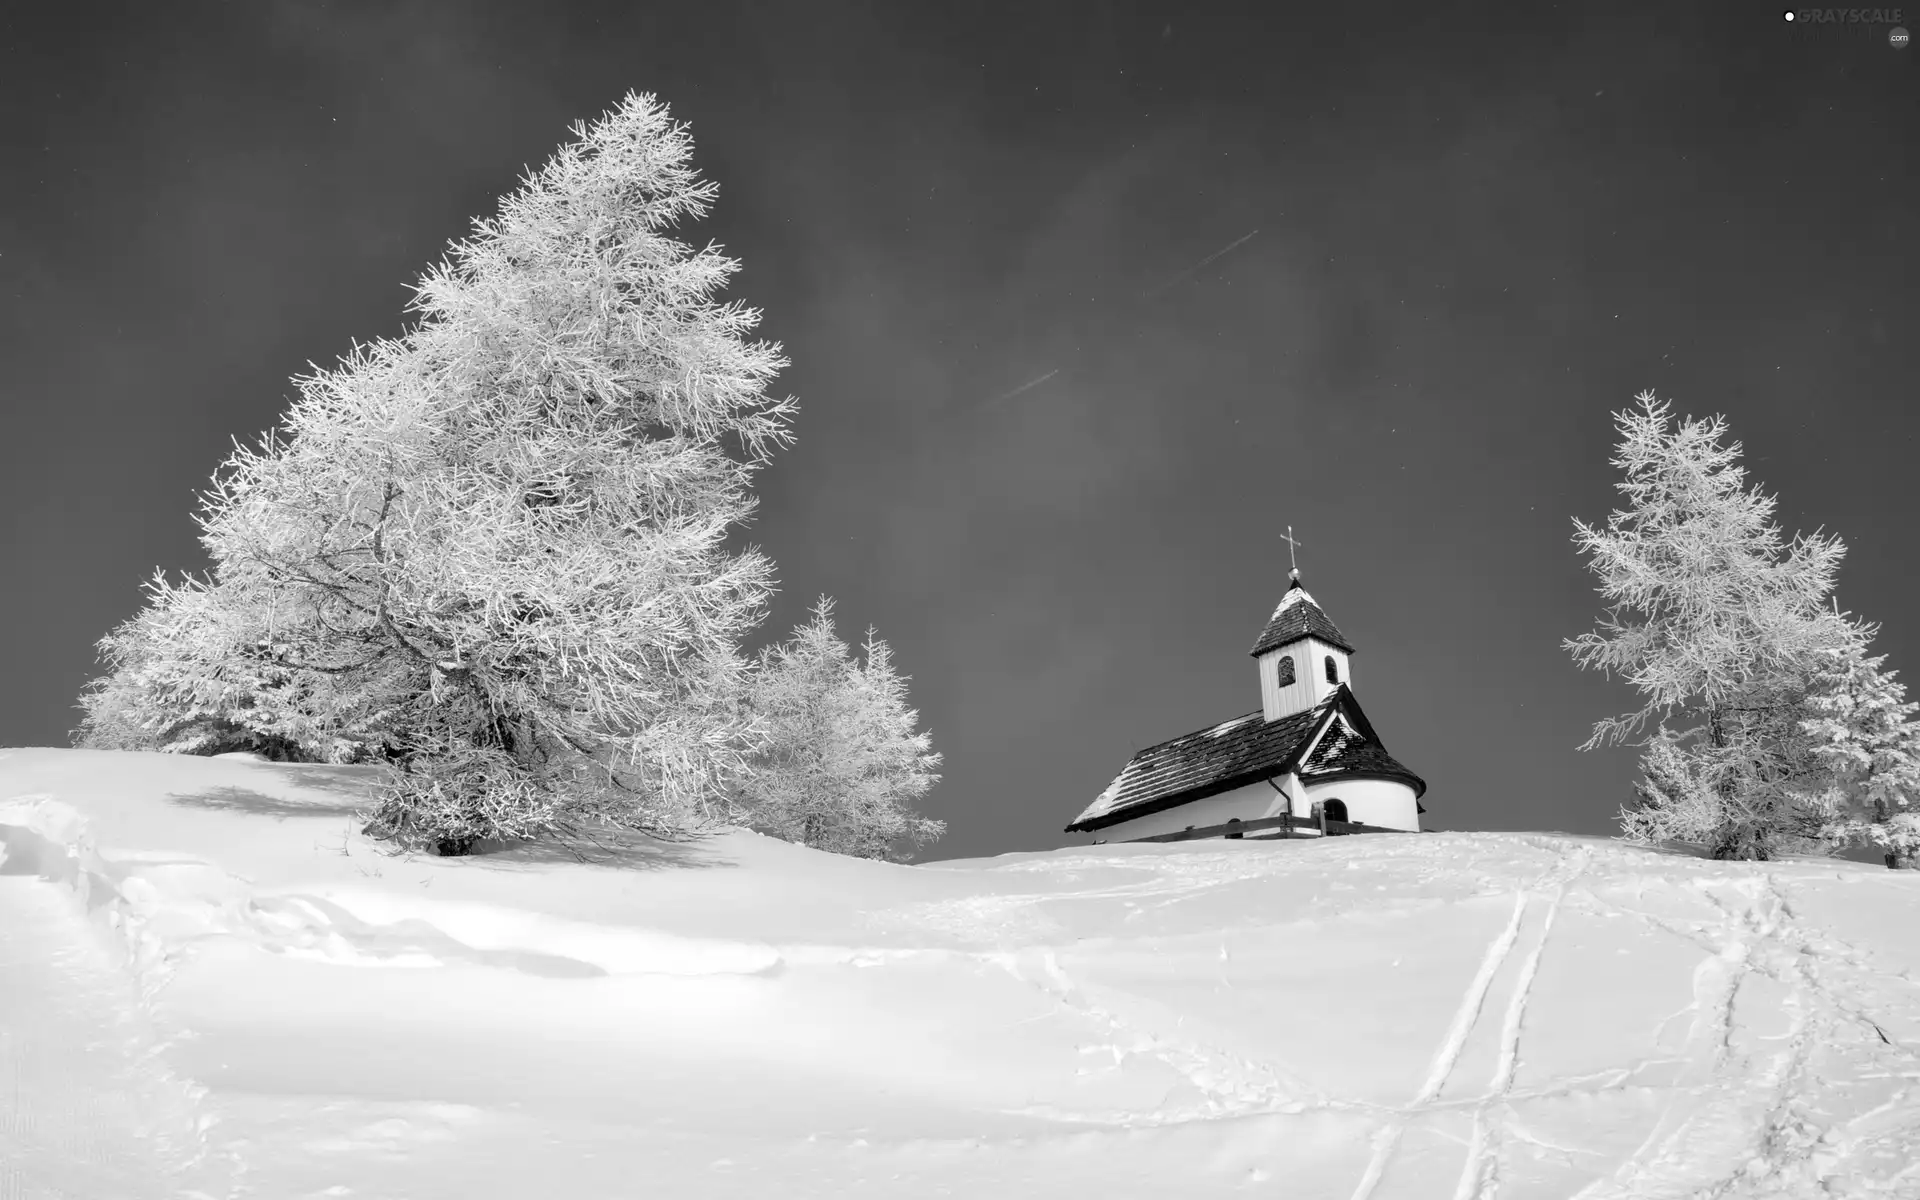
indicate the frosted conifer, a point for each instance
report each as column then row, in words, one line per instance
column 1863, row 730
column 1720, row 622
column 494, row 546
column 843, row 761
column 198, row 672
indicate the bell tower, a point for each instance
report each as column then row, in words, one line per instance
column 1301, row 655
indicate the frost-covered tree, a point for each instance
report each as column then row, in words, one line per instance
column 1863, row 730
column 494, row 545
column 1721, row 623
column 843, row 762
column 196, row 672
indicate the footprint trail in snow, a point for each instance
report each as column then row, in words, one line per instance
column 88, row 1111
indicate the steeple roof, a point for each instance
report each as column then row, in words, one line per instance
column 1298, row 617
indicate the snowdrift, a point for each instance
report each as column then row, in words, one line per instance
column 211, row 985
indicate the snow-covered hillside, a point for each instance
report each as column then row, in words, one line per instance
column 210, row 985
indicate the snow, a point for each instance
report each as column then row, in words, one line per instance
column 1226, row 727
column 211, row 986
column 1295, row 595
column 1104, row 802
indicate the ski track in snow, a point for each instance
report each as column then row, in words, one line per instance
column 1788, row 1078
column 1464, row 1019
column 1476, row 1178
column 1732, row 1104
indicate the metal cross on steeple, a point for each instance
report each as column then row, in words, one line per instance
column 1288, row 538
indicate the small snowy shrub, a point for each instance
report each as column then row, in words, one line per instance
column 1863, row 731
column 842, row 762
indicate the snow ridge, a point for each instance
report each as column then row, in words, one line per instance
column 94, row 1000
column 160, row 907
column 1199, row 1020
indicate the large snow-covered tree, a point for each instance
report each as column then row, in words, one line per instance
column 843, row 762
column 492, row 549
column 1722, row 624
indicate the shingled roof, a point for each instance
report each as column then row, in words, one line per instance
column 1298, row 617
column 1229, row 755
column 1246, row 750
column 1346, row 754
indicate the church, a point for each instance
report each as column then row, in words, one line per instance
column 1307, row 763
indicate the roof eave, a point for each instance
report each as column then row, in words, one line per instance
column 1413, row 781
column 1269, row 647
column 1147, row 808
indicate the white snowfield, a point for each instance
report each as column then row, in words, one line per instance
column 211, row 987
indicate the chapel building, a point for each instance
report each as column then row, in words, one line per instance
column 1306, row 762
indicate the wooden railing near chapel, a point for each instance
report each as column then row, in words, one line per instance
column 1286, row 825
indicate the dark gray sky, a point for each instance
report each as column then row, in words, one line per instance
column 1476, row 237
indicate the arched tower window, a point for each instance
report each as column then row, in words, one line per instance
column 1285, row 669
column 1336, row 810
column 1333, row 671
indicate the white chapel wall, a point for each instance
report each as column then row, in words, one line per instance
column 1383, row 802
column 1321, row 688
column 1250, row 803
column 1309, row 685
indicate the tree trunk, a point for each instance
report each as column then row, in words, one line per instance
column 1740, row 837
column 1903, row 860
column 1740, row 843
